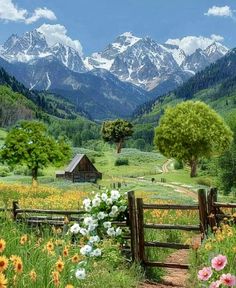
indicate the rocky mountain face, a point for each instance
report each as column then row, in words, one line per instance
column 147, row 64
column 110, row 83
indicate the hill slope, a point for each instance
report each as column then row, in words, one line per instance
column 216, row 85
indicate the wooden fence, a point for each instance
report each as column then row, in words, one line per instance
column 210, row 213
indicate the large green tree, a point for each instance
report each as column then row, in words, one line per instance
column 191, row 131
column 116, row 132
column 29, row 144
column 227, row 161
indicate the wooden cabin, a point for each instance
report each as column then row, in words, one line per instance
column 81, row 169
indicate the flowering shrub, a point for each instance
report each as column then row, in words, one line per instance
column 103, row 210
column 212, row 275
column 219, row 250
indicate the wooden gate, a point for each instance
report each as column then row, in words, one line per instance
column 138, row 225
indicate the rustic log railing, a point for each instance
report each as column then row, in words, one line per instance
column 208, row 207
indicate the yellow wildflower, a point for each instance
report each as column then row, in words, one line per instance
column 2, row 245
column 3, row 263
column 3, row 281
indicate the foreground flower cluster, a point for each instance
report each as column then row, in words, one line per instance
column 218, row 263
column 102, row 211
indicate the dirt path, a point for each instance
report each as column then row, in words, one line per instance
column 165, row 166
column 174, row 278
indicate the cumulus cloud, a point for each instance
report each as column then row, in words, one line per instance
column 223, row 11
column 11, row 12
column 58, row 34
column 217, row 38
column 41, row 13
column 191, row 43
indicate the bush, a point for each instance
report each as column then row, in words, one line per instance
column 121, row 161
column 205, row 181
column 178, row 165
column 4, row 171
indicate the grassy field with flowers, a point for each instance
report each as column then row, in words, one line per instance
column 214, row 263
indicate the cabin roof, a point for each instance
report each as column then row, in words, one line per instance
column 74, row 162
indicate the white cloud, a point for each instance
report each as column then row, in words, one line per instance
column 58, row 34
column 10, row 12
column 223, row 11
column 191, row 43
column 217, row 38
column 41, row 13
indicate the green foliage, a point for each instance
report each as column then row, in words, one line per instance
column 4, row 171
column 28, row 144
column 178, row 165
column 227, row 162
column 116, row 131
column 121, row 161
column 191, row 131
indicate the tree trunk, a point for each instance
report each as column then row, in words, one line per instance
column 119, row 146
column 34, row 176
column 193, row 165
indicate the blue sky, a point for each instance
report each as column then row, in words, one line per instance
column 95, row 23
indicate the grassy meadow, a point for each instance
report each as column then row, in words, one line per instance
column 31, row 248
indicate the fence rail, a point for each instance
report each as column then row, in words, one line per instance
column 209, row 209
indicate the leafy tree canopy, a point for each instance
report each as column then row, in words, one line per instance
column 190, row 131
column 117, row 131
column 29, row 144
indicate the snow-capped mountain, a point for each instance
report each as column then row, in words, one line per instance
column 145, row 63
column 119, row 77
column 33, row 46
column 200, row 59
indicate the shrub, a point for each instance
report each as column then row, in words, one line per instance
column 4, row 171
column 121, row 161
column 178, row 165
column 205, row 181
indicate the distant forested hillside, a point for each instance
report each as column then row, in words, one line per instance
column 215, row 85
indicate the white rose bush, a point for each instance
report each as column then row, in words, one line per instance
column 98, row 225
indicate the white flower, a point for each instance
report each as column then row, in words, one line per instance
column 97, row 252
column 88, row 208
column 101, row 215
column 86, row 202
column 94, row 239
column 122, row 208
column 109, row 201
column 118, row 231
column 86, row 250
column 115, row 195
column 114, row 209
column 92, row 227
column 111, row 231
column 74, row 229
column 88, row 221
column 80, row 273
column 107, row 224
column 83, row 231
column 96, row 202
column 104, row 196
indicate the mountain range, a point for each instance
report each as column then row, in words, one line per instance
column 108, row 84
column 215, row 85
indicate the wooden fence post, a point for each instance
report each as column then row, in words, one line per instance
column 133, row 225
column 15, row 205
column 203, row 212
column 211, row 198
column 140, row 230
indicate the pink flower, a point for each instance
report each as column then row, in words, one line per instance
column 228, row 280
column 205, row 273
column 215, row 284
column 219, row 262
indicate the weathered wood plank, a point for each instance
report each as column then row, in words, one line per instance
column 170, row 206
column 172, row 227
column 166, row 265
column 167, row 245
